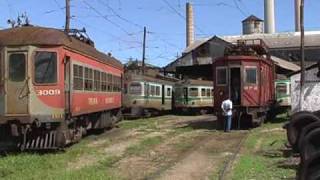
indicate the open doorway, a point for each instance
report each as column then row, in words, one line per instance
column 235, row 85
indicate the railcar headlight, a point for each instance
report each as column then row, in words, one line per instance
column 221, row 93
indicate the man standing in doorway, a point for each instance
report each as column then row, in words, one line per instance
column 226, row 106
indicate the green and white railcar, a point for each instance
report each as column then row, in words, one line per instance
column 283, row 94
column 146, row 95
column 194, row 96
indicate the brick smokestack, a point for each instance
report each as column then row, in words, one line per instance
column 189, row 25
column 269, row 21
column 297, row 12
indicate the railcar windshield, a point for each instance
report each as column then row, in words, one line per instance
column 135, row 88
column 17, row 67
column 45, row 67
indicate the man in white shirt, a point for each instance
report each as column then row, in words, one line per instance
column 226, row 107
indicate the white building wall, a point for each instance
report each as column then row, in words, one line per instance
column 311, row 93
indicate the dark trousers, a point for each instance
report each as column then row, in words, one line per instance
column 227, row 123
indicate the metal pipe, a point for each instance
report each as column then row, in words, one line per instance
column 297, row 15
column 269, row 21
column 189, row 25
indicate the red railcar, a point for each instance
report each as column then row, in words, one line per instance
column 246, row 75
column 54, row 87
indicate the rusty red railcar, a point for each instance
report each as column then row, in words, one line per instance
column 246, row 75
column 54, row 87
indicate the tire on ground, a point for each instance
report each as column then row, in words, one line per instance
column 305, row 131
column 310, row 169
column 298, row 121
column 310, row 145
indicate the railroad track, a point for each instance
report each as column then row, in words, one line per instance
column 228, row 164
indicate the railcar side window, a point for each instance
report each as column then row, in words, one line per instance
column 208, row 92
column 88, row 79
column 17, row 67
column 168, row 92
column 77, row 77
column 193, row 92
column 157, row 90
column 96, row 80
column 152, row 90
column 135, row 88
column 221, row 76
column 45, row 67
column 203, row 92
column 104, row 82
column 109, row 82
column 251, row 75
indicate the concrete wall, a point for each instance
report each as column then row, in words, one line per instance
column 311, row 93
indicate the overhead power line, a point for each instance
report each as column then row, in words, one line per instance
column 119, row 16
column 105, row 18
column 179, row 14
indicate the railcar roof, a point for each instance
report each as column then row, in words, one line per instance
column 41, row 36
column 196, row 82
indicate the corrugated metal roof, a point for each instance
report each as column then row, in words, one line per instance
column 41, row 36
column 252, row 18
column 285, row 64
column 280, row 40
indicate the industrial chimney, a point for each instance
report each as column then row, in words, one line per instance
column 297, row 15
column 269, row 24
column 189, row 24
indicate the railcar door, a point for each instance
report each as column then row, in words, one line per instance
column 17, row 90
column 235, row 85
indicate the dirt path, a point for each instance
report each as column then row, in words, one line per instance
column 191, row 149
column 168, row 147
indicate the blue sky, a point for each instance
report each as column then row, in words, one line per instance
column 116, row 26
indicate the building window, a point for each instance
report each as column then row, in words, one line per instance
column 251, row 75
column 104, row 86
column 97, row 80
column 17, row 67
column 88, row 79
column 77, row 77
column 45, row 67
column 221, row 76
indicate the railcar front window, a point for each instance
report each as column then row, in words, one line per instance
column 135, row 89
column 281, row 90
column 221, row 75
column 193, row 92
column 251, row 75
column 45, row 67
column 17, row 67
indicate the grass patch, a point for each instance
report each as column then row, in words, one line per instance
column 261, row 156
column 144, row 145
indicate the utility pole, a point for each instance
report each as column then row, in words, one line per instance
column 144, row 48
column 67, row 25
column 302, row 77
